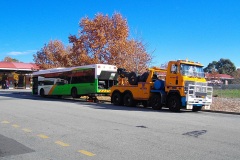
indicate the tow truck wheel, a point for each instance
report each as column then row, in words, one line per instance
column 174, row 103
column 117, row 99
column 156, row 102
column 128, row 100
column 74, row 93
column 42, row 94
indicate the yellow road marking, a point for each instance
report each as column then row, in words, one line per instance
column 62, row 143
column 86, row 153
column 5, row 122
column 43, row 136
column 26, row 130
column 15, row 126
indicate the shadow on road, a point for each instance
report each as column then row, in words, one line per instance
column 9, row 147
column 100, row 105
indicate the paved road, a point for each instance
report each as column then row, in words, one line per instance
column 38, row 128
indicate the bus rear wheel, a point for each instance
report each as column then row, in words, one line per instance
column 74, row 93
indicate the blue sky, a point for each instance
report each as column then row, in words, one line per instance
column 199, row 30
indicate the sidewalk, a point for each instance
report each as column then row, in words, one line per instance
column 17, row 91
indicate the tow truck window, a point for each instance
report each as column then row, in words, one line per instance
column 191, row 70
column 174, row 69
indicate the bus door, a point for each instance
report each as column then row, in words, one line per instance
column 35, row 86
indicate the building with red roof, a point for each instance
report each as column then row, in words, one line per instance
column 16, row 74
column 217, row 79
column 18, row 66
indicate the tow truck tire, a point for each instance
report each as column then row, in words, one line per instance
column 156, row 102
column 174, row 103
column 74, row 93
column 117, row 99
column 128, row 100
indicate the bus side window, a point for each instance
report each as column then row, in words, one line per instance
column 59, row 83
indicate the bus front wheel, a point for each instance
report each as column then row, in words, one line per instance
column 74, row 93
column 42, row 94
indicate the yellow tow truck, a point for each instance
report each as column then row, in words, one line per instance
column 184, row 86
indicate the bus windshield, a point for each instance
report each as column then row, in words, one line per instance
column 191, row 70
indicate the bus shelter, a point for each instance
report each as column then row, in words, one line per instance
column 16, row 75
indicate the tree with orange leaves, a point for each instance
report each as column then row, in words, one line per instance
column 104, row 40
column 53, row 55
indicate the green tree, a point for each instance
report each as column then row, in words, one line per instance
column 223, row 66
column 211, row 67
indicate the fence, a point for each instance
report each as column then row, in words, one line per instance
column 226, row 98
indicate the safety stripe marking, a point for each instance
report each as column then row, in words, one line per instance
column 27, row 130
column 86, row 153
column 62, row 143
column 5, row 122
column 15, row 126
column 104, row 90
column 42, row 136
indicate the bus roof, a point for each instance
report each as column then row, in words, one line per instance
column 57, row 70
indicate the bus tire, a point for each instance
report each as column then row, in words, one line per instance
column 74, row 92
column 117, row 99
column 174, row 103
column 156, row 102
column 42, row 94
column 128, row 100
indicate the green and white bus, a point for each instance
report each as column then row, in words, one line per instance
column 88, row 80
